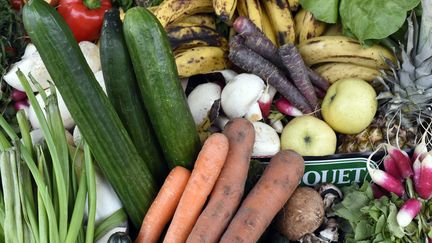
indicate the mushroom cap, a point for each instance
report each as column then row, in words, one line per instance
column 201, row 99
column 240, row 94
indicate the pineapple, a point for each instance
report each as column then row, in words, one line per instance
column 405, row 99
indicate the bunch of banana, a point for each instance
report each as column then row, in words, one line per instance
column 306, row 26
column 273, row 17
column 339, row 57
column 191, row 28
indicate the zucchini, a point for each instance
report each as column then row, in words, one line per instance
column 96, row 118
column 160, row 87
column 124, row 94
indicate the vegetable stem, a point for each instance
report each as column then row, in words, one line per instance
column 91, row 183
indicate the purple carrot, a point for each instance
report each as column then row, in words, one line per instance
column 424, row 185
column 402, row 160
column 408, row 212
column 317, row 80
column 296, row 67
column 391, row 167
column 377, row 191
column 286, row 108
column 251, row 62
column 319, row 92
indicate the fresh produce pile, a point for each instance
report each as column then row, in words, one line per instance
column 189, row 121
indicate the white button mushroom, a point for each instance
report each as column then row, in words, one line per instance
column 201, row 99
column 241, row 94
column 267, row 141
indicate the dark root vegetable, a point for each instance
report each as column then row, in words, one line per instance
column 302, row 214
column 252, row 62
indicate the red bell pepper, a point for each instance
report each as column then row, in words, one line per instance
column 17, row 4
column 84, row 17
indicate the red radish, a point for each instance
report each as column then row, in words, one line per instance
column 390, row 167
column 377, row 191
column 266, row 100
column 421, row 149
column 384, row 179
column 402, row 160
column 424, row 185
column 17, row 95
column 408, row 212
column 22, row 104
column 285, row 107
column 417, row 170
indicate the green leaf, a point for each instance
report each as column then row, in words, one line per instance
column 363, row 231
column 324, row 10
column 380, row 224
column 374, row 19
column 393, row 226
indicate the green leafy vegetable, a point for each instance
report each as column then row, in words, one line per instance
column 324, row 10
column 364, row 19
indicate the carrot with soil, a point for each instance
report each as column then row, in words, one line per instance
column 206, row 170
column 252, row 62
column 164, row 205
column 229, row 188
column 279, row 180
column 295, row 65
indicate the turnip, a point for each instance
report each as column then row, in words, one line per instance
column 267, row 141
column 201, row 99
column 408, row 212
column 241, row 94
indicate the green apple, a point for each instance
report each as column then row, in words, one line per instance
column 309, row 136
column 349, row 105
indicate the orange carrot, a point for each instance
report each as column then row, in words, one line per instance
column 279, row 180
column 206, row 170
column 228, row 191
column 163, row 207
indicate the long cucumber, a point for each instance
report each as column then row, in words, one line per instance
column 91, row 109
column 123, row 92
column 160, row 87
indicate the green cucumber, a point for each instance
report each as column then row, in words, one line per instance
column 160, row 87
column 96, row 118
column 123, row 92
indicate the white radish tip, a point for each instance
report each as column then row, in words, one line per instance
column 403, row 218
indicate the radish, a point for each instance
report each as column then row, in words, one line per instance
column 285, row 107
column 384, row 179
column 402, row 160
column 18, row 95
column 376, row 190
column 408, row 212
column 421, row 148
column 417, row 171
column 424, row 185
column 266, row 100
column 390, row 167
column 201, row 99
column 241, row 94
column 21, row 105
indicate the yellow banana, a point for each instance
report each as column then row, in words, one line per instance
column 333, row 29
column 254, row 12
column 293, row 5
column 171, row 10
column 207, row 20
column 281, row 20
column 337, row 70
column 343, row 49
column 192, row 36
column 201, row 60
column 242, row 8
column 267, row 27
column 306, row 26
column 224, row 9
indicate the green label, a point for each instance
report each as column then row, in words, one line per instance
column 337, row 171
